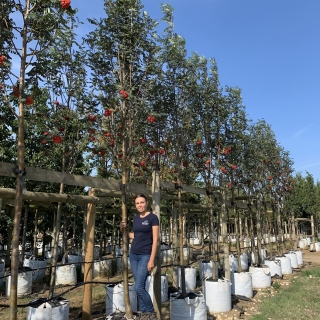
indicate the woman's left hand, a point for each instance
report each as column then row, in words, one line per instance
column 150, row 265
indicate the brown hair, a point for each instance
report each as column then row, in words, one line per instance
column 141, row 195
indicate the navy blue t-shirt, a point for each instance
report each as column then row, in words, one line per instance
column 142, row 228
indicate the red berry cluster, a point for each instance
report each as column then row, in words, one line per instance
column 65, row 4
column 124, row 94
column 2, row 59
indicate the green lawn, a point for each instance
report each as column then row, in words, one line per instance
column 299, row 301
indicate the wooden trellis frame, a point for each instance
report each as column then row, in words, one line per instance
column 101, row 190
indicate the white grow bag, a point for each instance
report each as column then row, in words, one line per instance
column 293, row 258
column 196, row 241
column 299, row 256
column 217, row 294
column 73, row 258
column 205, row 269
column 166, row 254
column 185, row 253
column 164, row 287
column 241, row 284
column 66, row 275
column 109, row 248
column 115, row 298
column 285, row 264
column 55, row 310
column 261, row 277
column 38, row 266
column 192, row 307
column 263, row 256
column 1, row 273
column 317, row 246
column 302, row 243
column 102, row 268
column 24, row 282
column 233, row 262
column 190, row 277
column 275, row 267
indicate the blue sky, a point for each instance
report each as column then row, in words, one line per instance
column 268, row 48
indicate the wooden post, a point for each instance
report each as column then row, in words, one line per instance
column 88, row 266
column 313, row 234
column 157, row 274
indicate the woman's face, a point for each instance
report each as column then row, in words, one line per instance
column 141, row 204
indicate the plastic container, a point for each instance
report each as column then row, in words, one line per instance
column 193, row 307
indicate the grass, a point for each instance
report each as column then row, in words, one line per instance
column 298, row 301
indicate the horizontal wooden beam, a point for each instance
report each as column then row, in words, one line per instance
column 6, row 193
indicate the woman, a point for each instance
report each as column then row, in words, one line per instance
column 143, row 249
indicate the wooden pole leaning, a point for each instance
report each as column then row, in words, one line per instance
column 88, row 266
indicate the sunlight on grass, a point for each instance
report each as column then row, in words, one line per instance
column 300, row 301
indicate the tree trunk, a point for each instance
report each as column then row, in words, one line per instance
column 125, row 240
column 225, row 236
column 213, row 254
column 280, row 234
column 313, row 234
column 238, row 239
column 24, row 232
column 182, row 270
column 84, row 235
column 54, row 250
column 10, row 213
column 65, row 238
column 35, row 235
column 88, row 266
column 102, row 235
column 157, row 274
column 259, row 227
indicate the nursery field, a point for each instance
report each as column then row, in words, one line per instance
column 295, row 297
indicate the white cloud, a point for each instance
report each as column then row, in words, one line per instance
column 301, row 131
column 310, row 165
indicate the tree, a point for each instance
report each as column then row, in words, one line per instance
column 121, row 57
column 38, row 25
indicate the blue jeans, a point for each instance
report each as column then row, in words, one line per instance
column 139, row 268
